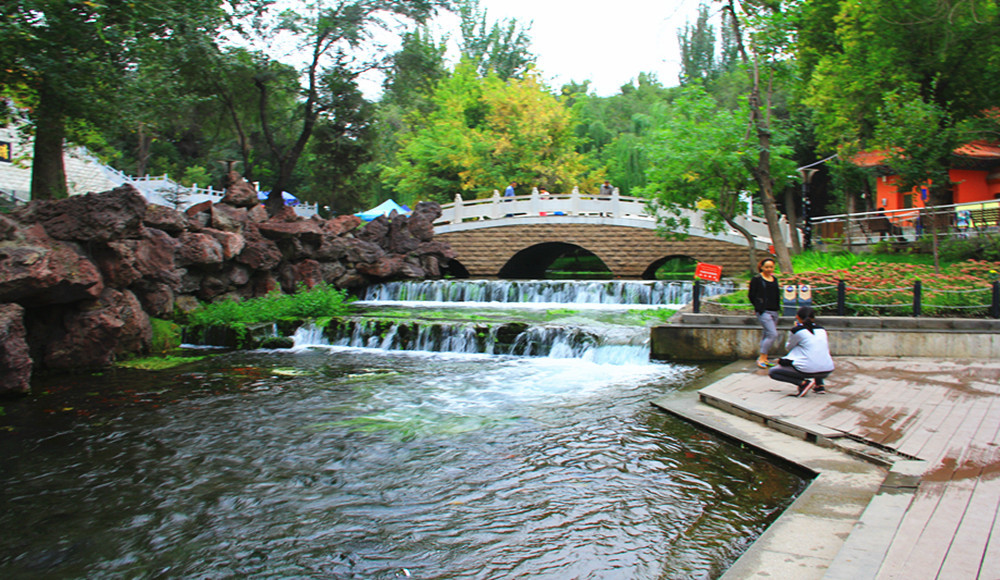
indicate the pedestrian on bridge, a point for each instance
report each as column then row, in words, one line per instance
column 765, row 295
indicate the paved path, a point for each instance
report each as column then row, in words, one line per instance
column 934, row 424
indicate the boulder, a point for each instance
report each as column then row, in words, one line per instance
column 307, row 230
column 362, row 251
column 94, row 217
column 199, row 249
column 259, row 253
column 39, row 270
column 386, row 267
column 229, row 219
column 239, row 193
column 117, row 263
column 165, row 219
column 15, row 359
column 157, row 298
column 376, row 230
column 8, row 228
column 341, row 225
column 199, row 215
column 400, row 239
column 428, row 210
column 91, row 336
column 232, row 243
column 154, row 257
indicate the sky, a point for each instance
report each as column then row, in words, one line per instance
column 609, row 43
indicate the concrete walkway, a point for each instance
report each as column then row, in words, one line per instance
column 907, row 458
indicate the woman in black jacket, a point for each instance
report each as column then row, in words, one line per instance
column 765, row 295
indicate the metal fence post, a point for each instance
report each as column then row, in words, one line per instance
column 841, row 298
column 696, row 297
column 917, row 288
column 995, row 308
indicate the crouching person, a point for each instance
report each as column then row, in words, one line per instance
column 808, row 361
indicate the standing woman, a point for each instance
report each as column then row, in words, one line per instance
column 765, row 295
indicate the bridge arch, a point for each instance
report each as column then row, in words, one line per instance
column 533, row 262
column 628, row 252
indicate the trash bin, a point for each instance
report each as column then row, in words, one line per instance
column 795, row 297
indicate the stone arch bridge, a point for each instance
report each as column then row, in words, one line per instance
column 520, row 237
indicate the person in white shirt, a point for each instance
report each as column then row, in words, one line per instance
column 808, row 361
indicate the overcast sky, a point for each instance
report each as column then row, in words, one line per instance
column 609, row 43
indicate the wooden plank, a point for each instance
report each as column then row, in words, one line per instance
column 910, row 529
column 928, row 552
column 969, row 544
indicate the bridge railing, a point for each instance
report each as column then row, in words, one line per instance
column 538, row 206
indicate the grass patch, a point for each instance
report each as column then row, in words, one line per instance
column 158, row 363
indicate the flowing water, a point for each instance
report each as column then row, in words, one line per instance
column 379, row 461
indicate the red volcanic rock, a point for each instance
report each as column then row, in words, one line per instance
column 166, row 219
column 229, row 219
column 428, row 210
column 232, row 244
column 400, row 239
column 362, row 251
column 199, row 215
column 8, row 228
column 199, row 249
column 278, row 230
column 117, row 263
column 154, row 256
column 94, row 217
column 331, row 249
column 239, row 193
column 15, row 359
column 384, row 268
column 341, row 225
column 90, row 337
column 305, row 273
column 157, row 298
column 39, row 270
column 259, row 253
column 376, row 230
column 257, row 214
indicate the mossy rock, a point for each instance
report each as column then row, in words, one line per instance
column 277, row 342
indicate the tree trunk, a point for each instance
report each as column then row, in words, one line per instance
column 793, row 221
column 48, row 174
column 750, row 240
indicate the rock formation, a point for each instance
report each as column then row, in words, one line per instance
column 81, row 277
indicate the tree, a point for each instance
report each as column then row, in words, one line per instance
column 702, row 158
column 503, row 46
column 484, row 132
column 769, row 39
column 64, row 61
column 912, row 78
column 697, row 44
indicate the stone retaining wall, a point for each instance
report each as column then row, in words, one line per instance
column 730, row 337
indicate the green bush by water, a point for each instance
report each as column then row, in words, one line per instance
column 321, row 301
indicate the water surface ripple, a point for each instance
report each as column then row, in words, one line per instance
column 353, row 463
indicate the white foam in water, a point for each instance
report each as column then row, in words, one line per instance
column 309, row 335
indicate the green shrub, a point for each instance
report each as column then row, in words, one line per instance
column 166, row 336
column 320, row 301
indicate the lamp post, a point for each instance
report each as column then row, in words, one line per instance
column 807, row 175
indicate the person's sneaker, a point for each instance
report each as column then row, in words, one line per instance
column 805, row 388
column 819, row 390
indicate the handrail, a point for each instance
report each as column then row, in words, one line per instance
column 521, row 208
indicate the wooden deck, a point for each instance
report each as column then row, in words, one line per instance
column 944, row 413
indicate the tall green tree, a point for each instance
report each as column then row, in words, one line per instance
column 702, row 158
column 483, row 133
column 63, row 60
column 912, row 78
column 503, row 46
column 335, row 32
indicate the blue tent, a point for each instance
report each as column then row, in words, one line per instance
column 289, row 198
column 384, row 208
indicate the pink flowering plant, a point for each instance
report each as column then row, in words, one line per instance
column 961, row 289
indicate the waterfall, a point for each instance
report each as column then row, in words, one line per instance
column 495, row 339
column 570, row 292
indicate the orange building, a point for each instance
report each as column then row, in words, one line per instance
column 975, row 177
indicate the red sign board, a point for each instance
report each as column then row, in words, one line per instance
column 709, row 272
